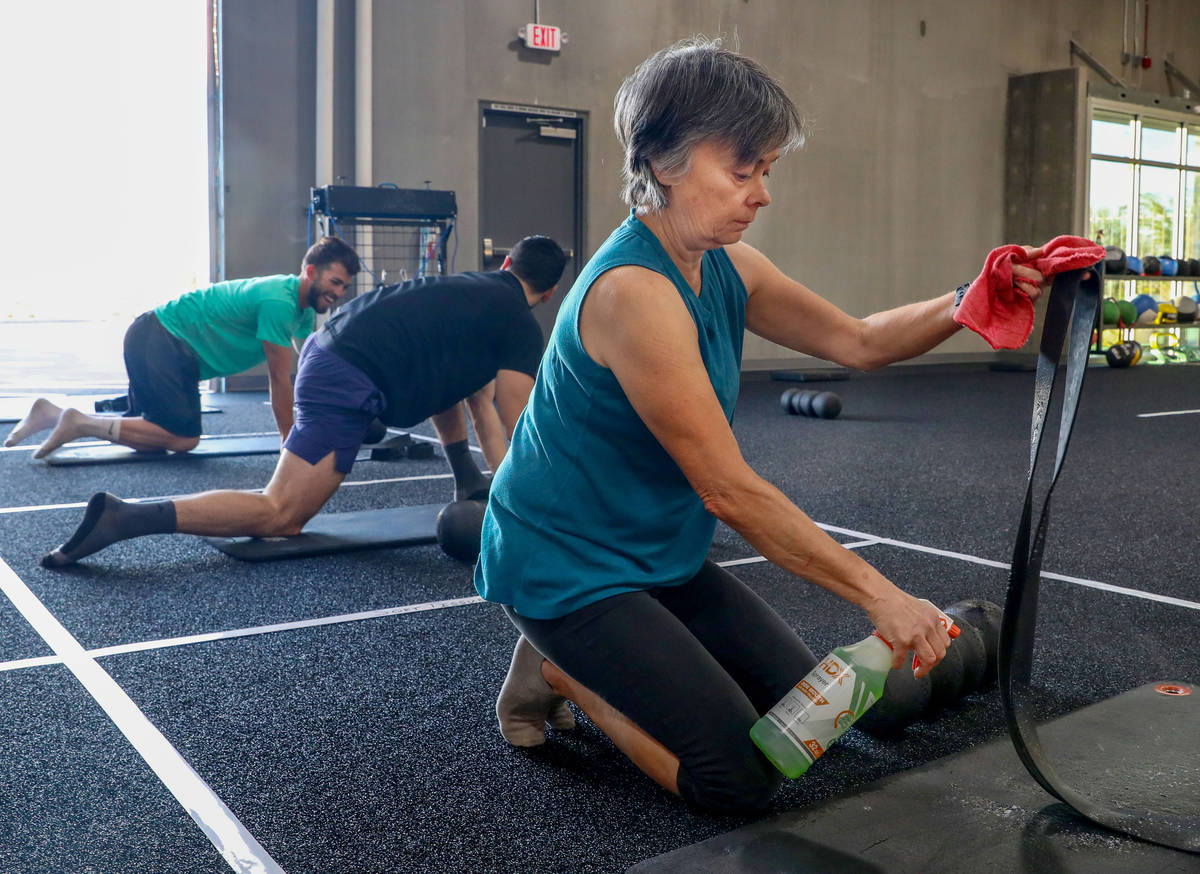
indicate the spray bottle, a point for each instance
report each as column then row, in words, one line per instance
column 818, row 710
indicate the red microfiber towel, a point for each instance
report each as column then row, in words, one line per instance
column 996, row 309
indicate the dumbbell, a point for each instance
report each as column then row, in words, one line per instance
column 815, row 404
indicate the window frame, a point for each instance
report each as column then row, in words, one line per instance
column 1140, row 113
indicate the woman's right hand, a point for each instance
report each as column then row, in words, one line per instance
column 910, row 624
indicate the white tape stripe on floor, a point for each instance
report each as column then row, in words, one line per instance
column 395, row 479
column 867, row 540
column 754, row 559
column 33, row 508
column 282, row 626
column 30, row 447
column 163, row 643
column 36, row 662
column 1079, row 581
column 857, row 544
column 240, row 849
column 1168, row 413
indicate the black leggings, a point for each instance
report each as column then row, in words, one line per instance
column 694, row 666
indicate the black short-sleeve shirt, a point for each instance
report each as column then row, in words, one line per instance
column 430, row 342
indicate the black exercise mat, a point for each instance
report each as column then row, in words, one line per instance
column 978, row 810
column 1072, row 312
column 13, row 409
column 341, row 532
column 210, row 447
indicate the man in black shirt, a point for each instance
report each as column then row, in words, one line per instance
column 402, row 353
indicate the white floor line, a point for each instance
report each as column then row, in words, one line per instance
column 240, row 849
column 29, row 447
column 33, row 508
column 396, row 479
column 864, row 541
column 37, row 508
column 973, row 559
column 858, row 544
column 754, row 559
column 35, row 662
column 1168, row 413
column 165, row 642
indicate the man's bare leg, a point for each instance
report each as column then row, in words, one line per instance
column 293, row 496
column 134, row 432
column 296, row 492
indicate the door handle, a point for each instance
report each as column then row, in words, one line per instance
column 490, row 250
column 493, row 251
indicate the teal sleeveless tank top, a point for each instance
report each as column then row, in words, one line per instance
column 587, row 503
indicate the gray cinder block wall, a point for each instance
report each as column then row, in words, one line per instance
column 898, row 195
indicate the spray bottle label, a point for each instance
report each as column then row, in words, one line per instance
column 818, row 709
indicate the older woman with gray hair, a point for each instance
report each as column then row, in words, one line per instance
column 601, row 517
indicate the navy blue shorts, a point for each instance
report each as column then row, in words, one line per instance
column 164, row 377
column 335, row 403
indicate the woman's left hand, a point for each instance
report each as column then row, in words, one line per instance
column 1027, row 278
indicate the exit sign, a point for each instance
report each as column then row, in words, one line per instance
column 543, row 36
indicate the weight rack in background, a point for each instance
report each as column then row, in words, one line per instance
column 399, row 233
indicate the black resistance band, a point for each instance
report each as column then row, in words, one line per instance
column 1074, row 300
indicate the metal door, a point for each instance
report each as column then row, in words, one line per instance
column 531, row 182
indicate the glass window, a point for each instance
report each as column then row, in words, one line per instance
column 1193, row 146
column 1112, row 134
column 1147, row 201
column 1160, row 141
column 1111, row 190
column 1191, row 215
column 1157, row 210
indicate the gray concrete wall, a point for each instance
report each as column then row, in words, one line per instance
column 898, row 195
column 270, row 145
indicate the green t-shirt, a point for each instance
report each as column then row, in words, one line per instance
column 226, row 323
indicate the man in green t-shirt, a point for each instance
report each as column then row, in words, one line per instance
column 220, row 330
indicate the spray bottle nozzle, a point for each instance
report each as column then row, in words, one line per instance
column 947, row 623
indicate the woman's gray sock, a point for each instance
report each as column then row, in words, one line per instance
column 527, row 702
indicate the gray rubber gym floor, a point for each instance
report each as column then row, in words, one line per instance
column 157, row 716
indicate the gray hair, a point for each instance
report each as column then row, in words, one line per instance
column 688, row 93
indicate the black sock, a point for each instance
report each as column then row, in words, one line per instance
column 469, row 481
column 109, row 519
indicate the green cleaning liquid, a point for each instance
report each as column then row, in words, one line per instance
column 817, row 710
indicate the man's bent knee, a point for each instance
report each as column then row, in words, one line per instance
column 284, row 523
column 183, row 444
